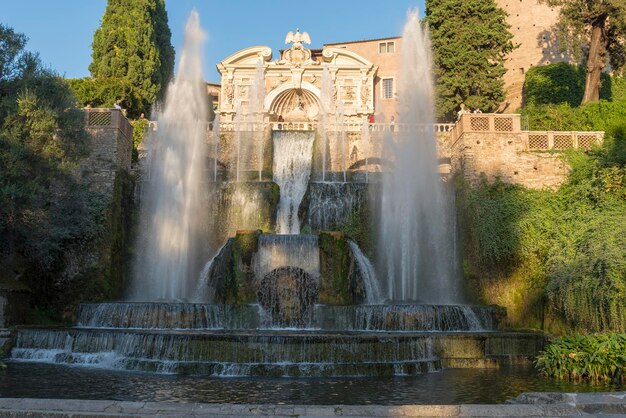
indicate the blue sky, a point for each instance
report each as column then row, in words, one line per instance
column 62, row 30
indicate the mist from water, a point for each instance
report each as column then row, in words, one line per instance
column 172, row 208
column 416, row 251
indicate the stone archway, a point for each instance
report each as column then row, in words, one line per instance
column 294, row 104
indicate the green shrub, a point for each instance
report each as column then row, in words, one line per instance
column 555, row 259
column 559, row 83
column 549, row 103
column 600, row 357
column 140, row 128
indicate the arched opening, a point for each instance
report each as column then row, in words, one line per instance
column 294, row 104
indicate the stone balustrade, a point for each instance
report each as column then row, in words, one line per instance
column 101, row 118
column 560, row 140
column 532, row 140
column 312, row 126
column 486, row 122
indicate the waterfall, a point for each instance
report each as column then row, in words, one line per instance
column 257, row 97
column 288, row 251
column 333, row 204
column 205, row 292
column 407, row 318
column 372, row 288
column 416, row 251
column 293, row 155
column 172, row 210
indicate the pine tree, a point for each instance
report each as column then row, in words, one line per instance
column 597, row 29
column 132, row 48
column 470, row 40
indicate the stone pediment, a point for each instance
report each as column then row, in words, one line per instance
column 248, row 57
column 345, row 58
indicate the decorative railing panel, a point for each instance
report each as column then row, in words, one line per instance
column 548, row 140
column 503, row 124
column 108, row 118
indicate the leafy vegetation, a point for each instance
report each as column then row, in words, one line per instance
column 555, row 259
column 133, row 58
column 596, row 28
column 600, row 357
column 470, row 40
column 559, row 83
column 549, row 94
column 140, row 129
column 49, row 219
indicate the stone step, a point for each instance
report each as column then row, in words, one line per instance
column 417, row 317
column 169, row 351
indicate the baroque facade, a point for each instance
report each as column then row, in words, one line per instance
column 364, row 73
column 291, row 87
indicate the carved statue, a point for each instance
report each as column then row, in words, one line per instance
column 229, row 93
column 297, row 39
column 297, row 55
column 365, row 93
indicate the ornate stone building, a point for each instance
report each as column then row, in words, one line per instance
column 364, row 74
column 292, row 85
column 385, row 54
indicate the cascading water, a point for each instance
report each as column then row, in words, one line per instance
column 416, row 251
column 293, row 154
column 332, row 204
column 172, row 208
column 257, row 96
column 370, row 281
column 288, row 250
column 323, row 126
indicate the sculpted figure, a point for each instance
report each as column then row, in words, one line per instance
column 297, row 39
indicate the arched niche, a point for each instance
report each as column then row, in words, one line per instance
column 292, row 103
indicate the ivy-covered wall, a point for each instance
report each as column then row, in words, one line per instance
column 555, row 259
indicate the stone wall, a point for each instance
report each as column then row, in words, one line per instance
column 111, row 148
column 503, row 156
column 494, row 146
column 533, row 28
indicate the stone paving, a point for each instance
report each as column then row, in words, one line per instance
column 526, row 405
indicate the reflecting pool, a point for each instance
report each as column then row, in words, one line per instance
column 452, row 386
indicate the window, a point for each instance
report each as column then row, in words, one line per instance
column 386, row 47
column 387, row 88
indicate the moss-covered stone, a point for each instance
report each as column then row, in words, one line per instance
column 232, row 274
column 339, row 284
column 242, row 205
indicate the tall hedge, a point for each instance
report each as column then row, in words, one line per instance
column 132, row 49
column 470, row 40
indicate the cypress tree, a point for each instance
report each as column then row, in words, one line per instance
column 132, row 49
column 470, row 40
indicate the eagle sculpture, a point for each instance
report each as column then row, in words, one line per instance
column 297, row 38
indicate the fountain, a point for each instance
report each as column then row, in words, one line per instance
column 417, row 254
column 171, row 235
column 306, row 301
